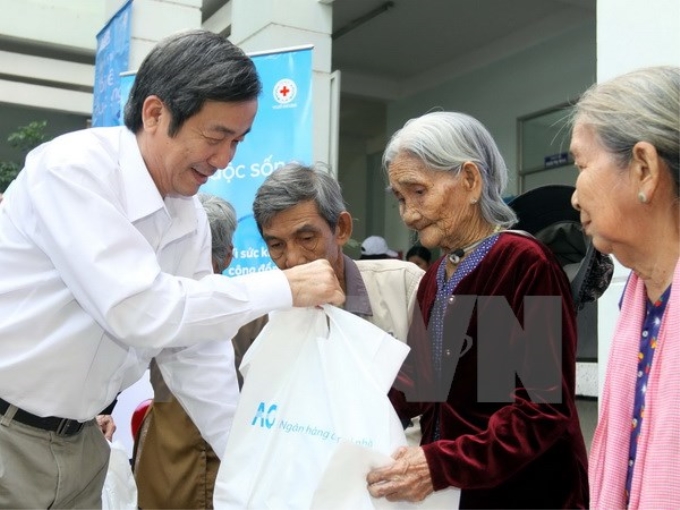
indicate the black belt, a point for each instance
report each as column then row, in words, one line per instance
column 62, row 426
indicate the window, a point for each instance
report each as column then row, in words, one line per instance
column 543, row 148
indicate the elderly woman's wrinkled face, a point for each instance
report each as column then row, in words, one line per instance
column 434, row 203
column 605, row 194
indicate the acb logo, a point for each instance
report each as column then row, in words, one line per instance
column 266, row 415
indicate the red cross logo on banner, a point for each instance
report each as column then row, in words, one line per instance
column 285, row 91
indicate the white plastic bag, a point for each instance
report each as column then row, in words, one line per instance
column 314, row 377
column 120, row 489
column 343, row 484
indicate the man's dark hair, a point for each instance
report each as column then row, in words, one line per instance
column 188, row 69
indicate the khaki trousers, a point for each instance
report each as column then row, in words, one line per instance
column 40, row 469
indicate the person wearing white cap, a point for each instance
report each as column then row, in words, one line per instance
column 375, row 247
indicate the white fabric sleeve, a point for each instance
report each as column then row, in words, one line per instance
column 113, row 271
column 203, row 378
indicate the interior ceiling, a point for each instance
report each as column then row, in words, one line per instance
column 415, row 36
column 408, row 37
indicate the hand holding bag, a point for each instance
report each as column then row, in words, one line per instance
column 313, row 378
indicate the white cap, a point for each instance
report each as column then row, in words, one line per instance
column 376, row 245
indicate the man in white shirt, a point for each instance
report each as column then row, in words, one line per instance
column 105, row 262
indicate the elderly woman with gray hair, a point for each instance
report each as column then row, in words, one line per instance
column 492, row 365
column 626, row 145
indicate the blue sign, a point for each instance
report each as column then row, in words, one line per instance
column 111, row 59
column 281, row 132
column 126, row 81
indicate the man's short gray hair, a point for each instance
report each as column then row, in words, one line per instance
column 295, row 183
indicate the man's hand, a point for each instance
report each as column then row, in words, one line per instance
column 107, row 425
column 314, row 284
column 408, row 479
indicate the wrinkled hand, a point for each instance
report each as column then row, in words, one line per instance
column 314, row 284
column 407, row 479
column 107, row 425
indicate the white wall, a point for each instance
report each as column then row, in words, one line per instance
column 632, row 34
column 352, row 172
column 42, row 85
column 67, row 28
column 66, row 23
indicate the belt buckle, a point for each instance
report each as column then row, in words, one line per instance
column 68, row 427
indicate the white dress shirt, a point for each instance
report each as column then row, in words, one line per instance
column 98, row 274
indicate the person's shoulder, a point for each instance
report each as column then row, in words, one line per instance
column 389, row 266
column 525, row 253
column 99, row 136
column 523, row 244
column 81, row 147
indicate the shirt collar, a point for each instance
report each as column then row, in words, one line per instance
column 356, row 301
column 143, row 197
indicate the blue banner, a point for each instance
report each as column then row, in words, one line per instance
column 111, row 59
column 282, row 132
column 127, row 79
